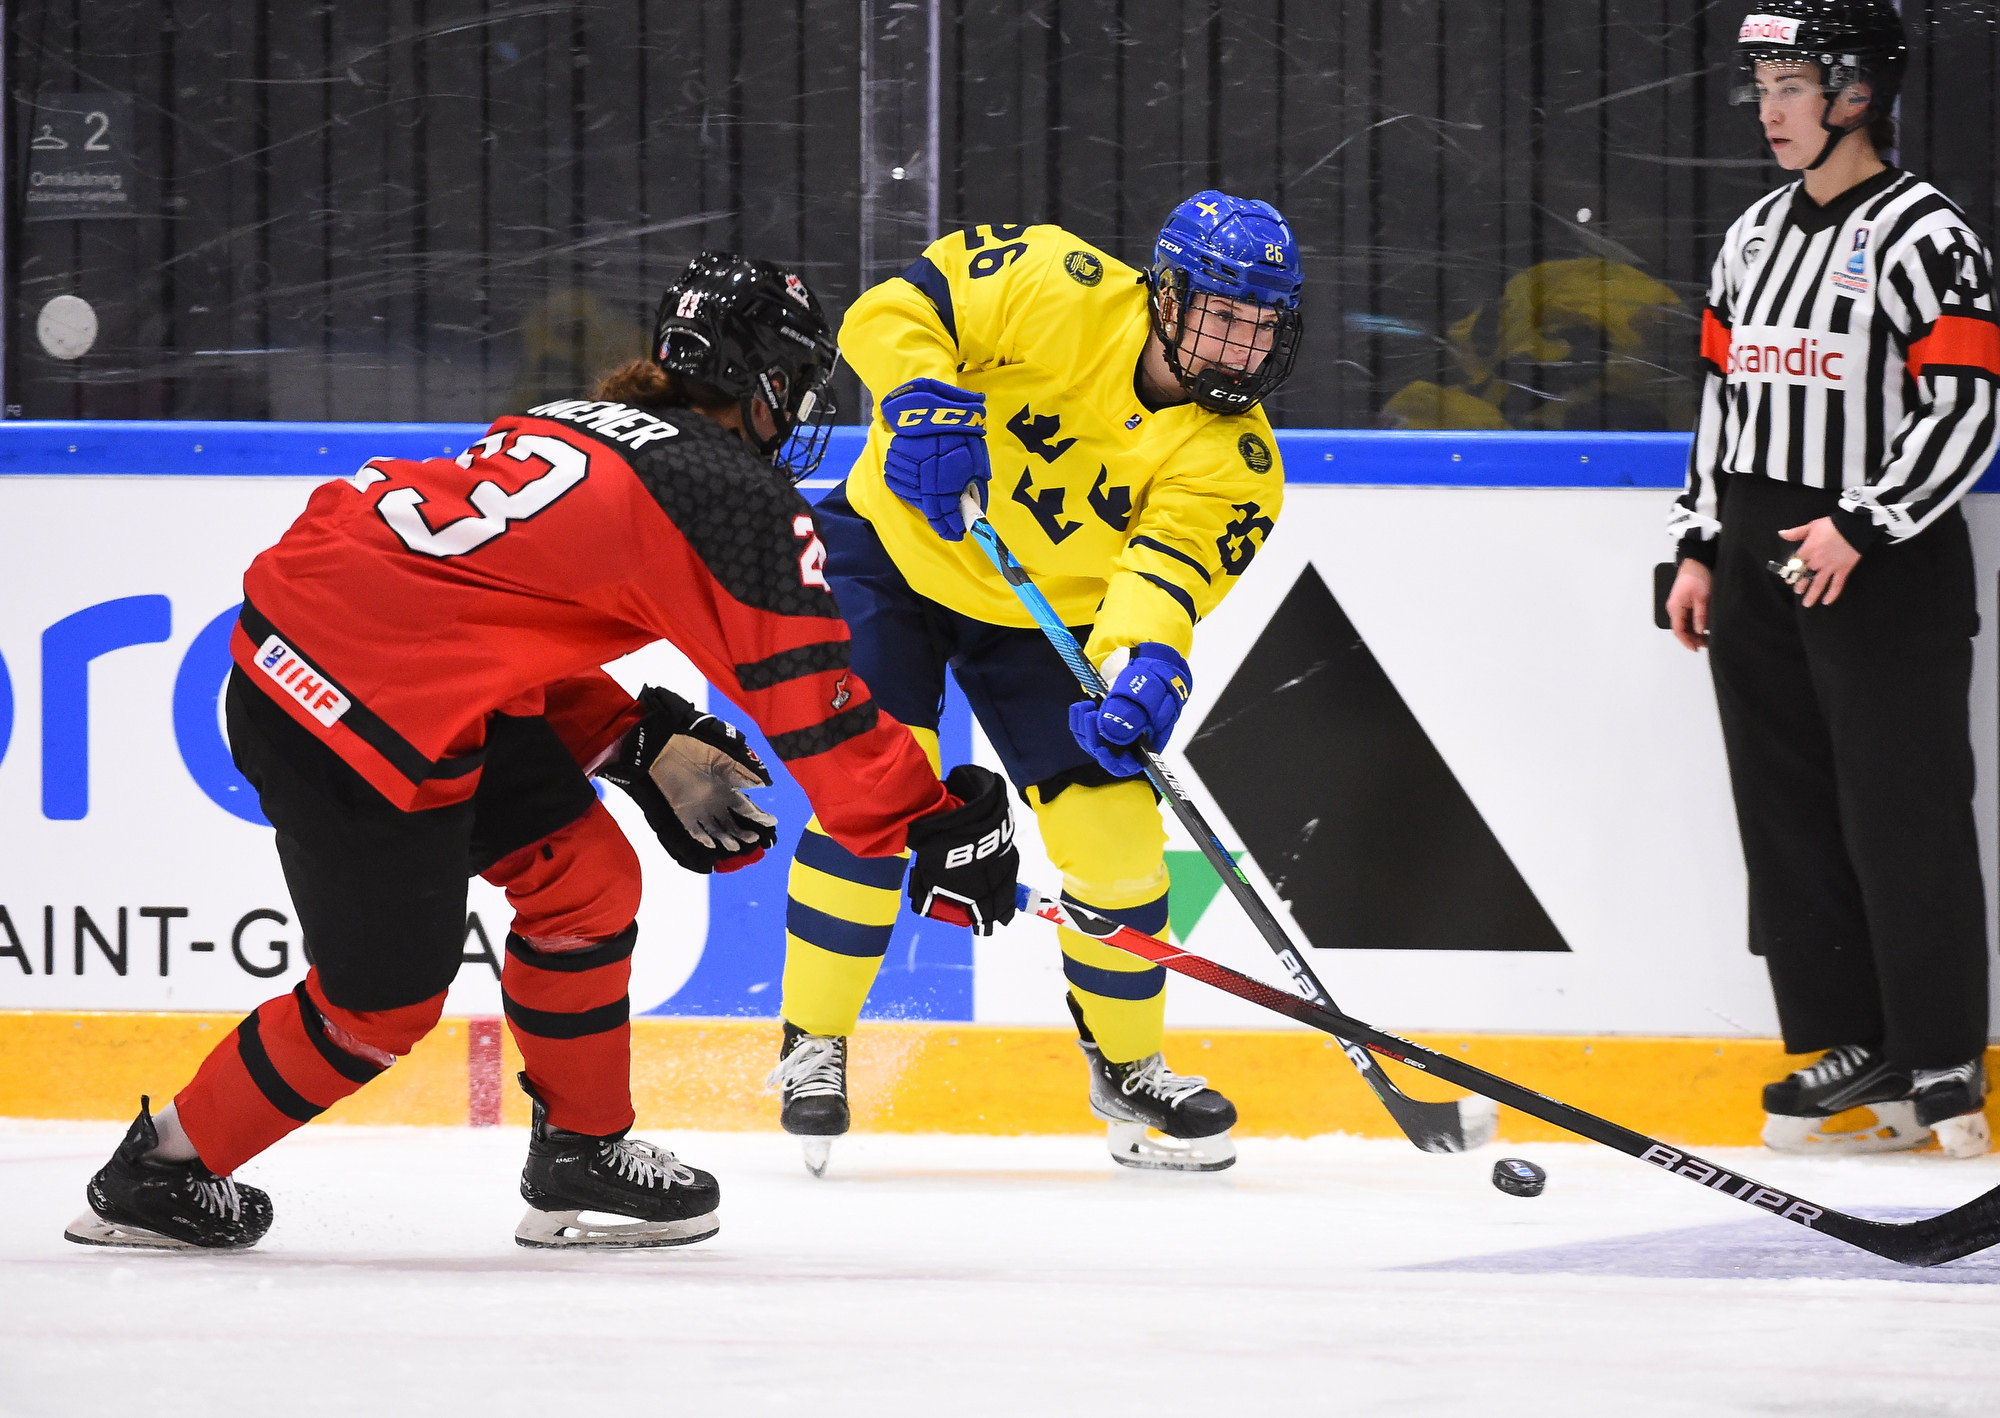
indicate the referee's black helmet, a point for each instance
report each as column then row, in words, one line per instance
column 1851, row 41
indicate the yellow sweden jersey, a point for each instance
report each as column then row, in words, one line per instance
column 1136, row 521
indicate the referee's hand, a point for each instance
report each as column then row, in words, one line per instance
column 1687, row 603
column 1829, row 560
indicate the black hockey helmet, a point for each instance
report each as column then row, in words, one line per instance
column 752, row 330
column 1849, row 41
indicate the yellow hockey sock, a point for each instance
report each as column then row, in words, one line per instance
column 1111, row 849
column 841, row 911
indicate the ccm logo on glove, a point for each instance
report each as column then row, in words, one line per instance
column 944, row 417
column 1142, row 703
column 937, row 449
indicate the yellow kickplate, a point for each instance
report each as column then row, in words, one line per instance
column 708, row 1074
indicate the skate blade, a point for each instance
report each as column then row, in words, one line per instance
column 1895, row 1129
column 1133, row 1145
column 90, row 1229
column 1478, row 1120
column 818, row 1151
column 1963, row 1137
column 565, row 1230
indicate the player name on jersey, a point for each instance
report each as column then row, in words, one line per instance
column 620, row 423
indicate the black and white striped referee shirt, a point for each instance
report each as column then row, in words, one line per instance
column 1850, row 346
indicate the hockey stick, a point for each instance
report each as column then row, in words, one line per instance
column 1930, row 1241
column 1435, row 1127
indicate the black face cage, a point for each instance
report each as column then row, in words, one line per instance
column 803, row 444
column 800, row 399
column 1218, row 389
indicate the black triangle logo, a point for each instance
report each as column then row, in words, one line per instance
column 1353, row 814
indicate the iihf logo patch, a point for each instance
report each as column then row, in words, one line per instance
column 1852, row 275
column 1134, row 421
column 796, row 289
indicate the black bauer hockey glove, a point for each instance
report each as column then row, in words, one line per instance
column 966, row 863
column 687, row 771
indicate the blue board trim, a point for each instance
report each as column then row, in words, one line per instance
column 174, row 448
column 1313, row 457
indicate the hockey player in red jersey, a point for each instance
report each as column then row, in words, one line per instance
column 418, row 698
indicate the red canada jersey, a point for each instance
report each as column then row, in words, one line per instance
column 413, row 599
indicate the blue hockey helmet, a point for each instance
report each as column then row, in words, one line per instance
column 1215, row 247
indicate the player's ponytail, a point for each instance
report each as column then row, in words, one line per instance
column 643, row 384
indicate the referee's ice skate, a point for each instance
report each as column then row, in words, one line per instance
column 665, row 1201
column 152, row 1203
column 1145, row 1097
column 1906, row 1108
column 811, row 1079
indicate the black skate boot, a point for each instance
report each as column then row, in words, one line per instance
column 1797, row 1107
column 1146, row 1094
column 569, row 1173
column 1951, row 1102
column 152, row 1204
column 811, row 1079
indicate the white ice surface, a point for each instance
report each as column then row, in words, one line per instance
column 952, row 1275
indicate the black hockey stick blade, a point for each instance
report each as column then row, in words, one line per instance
column 1932, row 1240
column 1456, row 1126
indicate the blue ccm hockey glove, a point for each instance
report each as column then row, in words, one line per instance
column 937, row 447
column 1143, row 703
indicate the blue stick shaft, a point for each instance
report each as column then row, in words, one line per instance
column 1162, row 778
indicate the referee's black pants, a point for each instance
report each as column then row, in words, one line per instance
column 1849, row 748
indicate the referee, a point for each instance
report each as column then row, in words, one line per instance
column 1851, row 357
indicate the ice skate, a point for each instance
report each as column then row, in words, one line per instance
column 1144, row 1098
column 811, row 1079
column 153, row 1204
column 664, row 1201
column 1798, row 1107
column 1951, row 1102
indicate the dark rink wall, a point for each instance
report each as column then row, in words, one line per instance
column 434, row 209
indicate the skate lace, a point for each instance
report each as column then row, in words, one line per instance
column 815, row 1068
column 1152, row 1076
column 1842, row 1062
column 218, row 1196
column 645, row 1164
column 1932, row 1077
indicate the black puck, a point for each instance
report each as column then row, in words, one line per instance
column 1519, row 1178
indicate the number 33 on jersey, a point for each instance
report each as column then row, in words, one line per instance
column 429, row 594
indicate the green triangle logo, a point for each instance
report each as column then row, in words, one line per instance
column 1194, row 884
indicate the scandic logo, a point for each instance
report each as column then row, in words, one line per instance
column 301, row 681
column 1771, row 29
column 1796, row 356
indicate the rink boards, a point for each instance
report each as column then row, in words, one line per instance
column 1435, row 716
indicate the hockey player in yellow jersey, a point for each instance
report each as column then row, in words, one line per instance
column 1110, row 420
